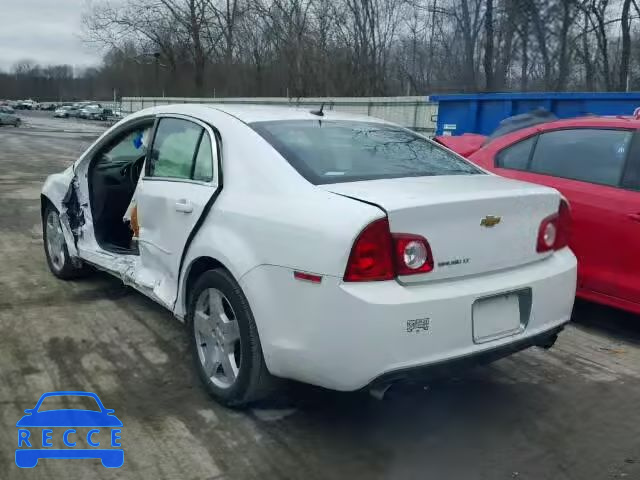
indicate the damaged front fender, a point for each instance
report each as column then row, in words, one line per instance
column 62, row 191
column 72, row 209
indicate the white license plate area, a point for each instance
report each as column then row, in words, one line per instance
column 496, row 317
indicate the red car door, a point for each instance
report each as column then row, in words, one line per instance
column 586, row 166
column 599, row 234
column 630, row 226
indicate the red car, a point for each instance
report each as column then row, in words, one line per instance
column 595, row 163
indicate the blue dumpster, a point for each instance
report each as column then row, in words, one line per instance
column 481, row 113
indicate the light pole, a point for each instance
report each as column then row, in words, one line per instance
column 156, row 55
column 156, row 61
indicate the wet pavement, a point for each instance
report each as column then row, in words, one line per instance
column 572, row 412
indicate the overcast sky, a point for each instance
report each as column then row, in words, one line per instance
column 46, row 31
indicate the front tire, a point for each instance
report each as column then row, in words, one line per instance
column 55, row 247
column 226, row 349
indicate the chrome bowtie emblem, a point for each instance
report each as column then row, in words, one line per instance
column 490, row 221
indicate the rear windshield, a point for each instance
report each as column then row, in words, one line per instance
column 342, row 151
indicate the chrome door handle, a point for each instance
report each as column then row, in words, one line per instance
column 184, row 206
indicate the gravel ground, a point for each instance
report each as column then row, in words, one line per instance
column 568, row 413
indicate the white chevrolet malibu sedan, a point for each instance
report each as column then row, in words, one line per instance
column 333, row 249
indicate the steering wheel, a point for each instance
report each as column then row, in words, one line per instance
column 133, row 170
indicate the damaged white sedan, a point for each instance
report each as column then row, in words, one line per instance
column 332, row 249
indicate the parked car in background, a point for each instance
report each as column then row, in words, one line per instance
column 94, row 112
column 595, row 163
column 48, row 106
column 84, row 111
column 74, row 111
column 297, row 243
column 106, row 114
column 27, row 105
column 8, row 117
column 83, row 106
column 117, row 114
column 62, row 112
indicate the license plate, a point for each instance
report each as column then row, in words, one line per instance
column 496, row 317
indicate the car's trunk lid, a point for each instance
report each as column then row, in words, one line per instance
column 474, row 223
column 463, row 145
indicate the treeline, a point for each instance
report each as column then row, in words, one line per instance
column 300, row 48
column 27, row 79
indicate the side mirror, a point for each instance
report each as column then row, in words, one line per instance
column 109, row 411
column 29, row 410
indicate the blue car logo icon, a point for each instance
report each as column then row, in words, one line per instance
column 68, row 420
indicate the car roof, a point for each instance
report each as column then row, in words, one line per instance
column 590, row 121
column 257, row 113
column 520, row 122
column 620, row 121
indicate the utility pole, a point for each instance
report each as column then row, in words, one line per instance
column 156, row 55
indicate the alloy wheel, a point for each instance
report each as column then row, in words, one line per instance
column 55, row 240
column 217, row 338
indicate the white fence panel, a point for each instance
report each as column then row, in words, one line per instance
column 412, row 112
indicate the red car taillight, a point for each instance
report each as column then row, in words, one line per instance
column 378, row 255
column 370, row 257
column 554, row 230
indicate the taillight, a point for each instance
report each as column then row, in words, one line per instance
column 370, row 257
column 412, row 254
column 554, row 230
column 564, row 225
column 548, row 233
column 378, row 255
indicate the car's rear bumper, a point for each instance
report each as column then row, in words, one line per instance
column 452, row 366
column 345, row 336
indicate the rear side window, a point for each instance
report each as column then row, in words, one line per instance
column 631, row 179
column 174, row 148
column 517, row 155
column 203, row 168
column 181, row 150
column 588, row 155
column 343, row 151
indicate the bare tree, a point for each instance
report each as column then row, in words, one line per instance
column 625, row 24
column 488, row 49
column 226, row 15
column 346, row 47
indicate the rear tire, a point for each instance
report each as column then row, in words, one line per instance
column 55, row 247
column 208, row 327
